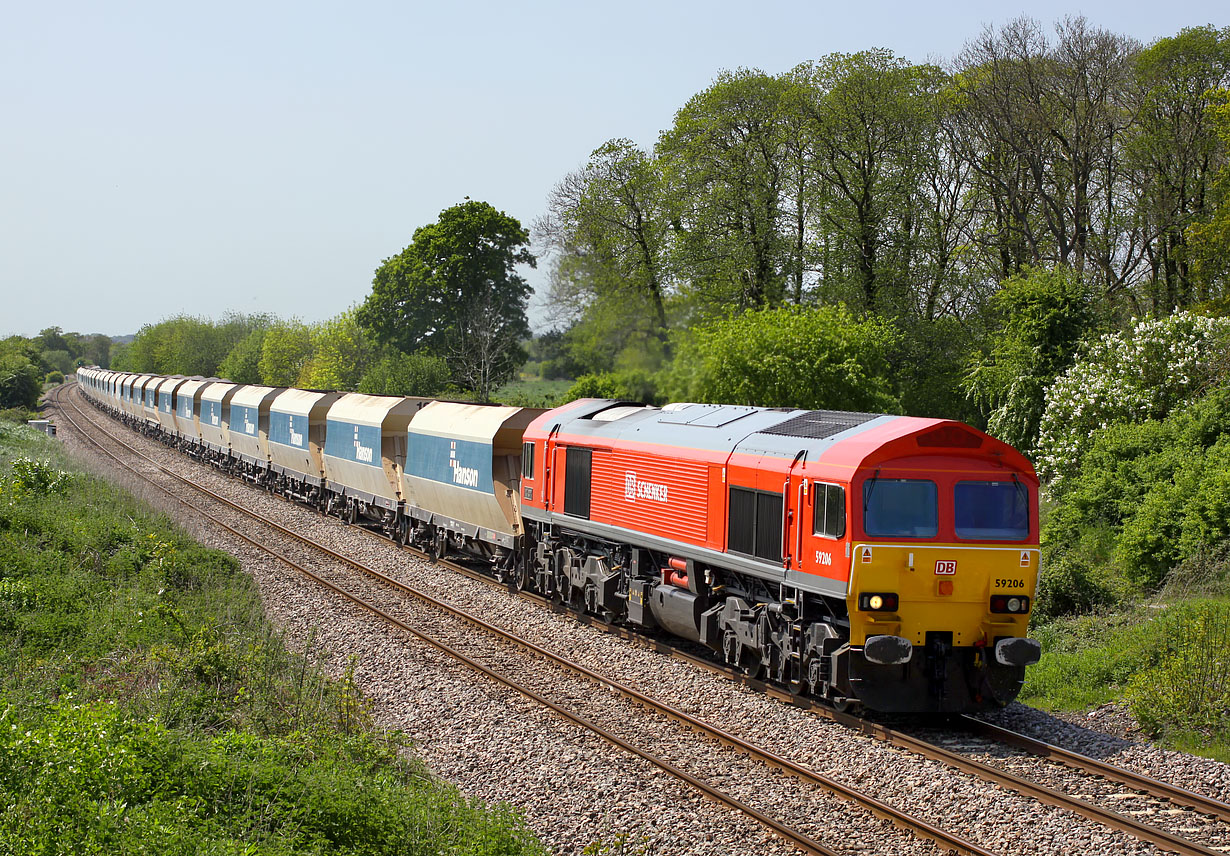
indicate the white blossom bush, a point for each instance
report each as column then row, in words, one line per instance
column 1156, row 366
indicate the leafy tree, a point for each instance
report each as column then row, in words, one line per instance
column 52, row 339
column 614, row 215
column 61, row 361
column 341, row 354
column 21, row 382
column 395, row 373
column 928, row 365
column 1041, row 125
column 455, row 292
column 1042, row 317
column 1174, row 151
column 1210, row 238
column 549, row 351
column 242, row 364
column 822, row 358
column 723, row 163
column 867, row 117
column 286, row 349
column 121, row 359
column 97, row 350
column 186, row 345
column 627, row 385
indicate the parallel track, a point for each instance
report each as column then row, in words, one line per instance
column 919, row 827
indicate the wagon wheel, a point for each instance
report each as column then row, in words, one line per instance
column 522, row 579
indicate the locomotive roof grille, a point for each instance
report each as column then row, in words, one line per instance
column 820, row 424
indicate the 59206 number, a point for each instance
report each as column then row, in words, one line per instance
column 1010, row 584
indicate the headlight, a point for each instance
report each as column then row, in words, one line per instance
column 1004, row 603
column 877, row 602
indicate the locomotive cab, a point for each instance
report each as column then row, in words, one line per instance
column 943, row 571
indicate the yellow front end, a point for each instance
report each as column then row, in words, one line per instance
column 941, row 589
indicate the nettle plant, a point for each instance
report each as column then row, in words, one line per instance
column 1156, row 366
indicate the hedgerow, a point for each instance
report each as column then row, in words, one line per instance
column 1188, row 687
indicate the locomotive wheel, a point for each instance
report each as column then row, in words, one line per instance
column 737, row 654
column 592, row 607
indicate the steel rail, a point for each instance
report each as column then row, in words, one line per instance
column 1084, row 763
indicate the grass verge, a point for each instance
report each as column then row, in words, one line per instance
column 146, row 706
column 1168, row 661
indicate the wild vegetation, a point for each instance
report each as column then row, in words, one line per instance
column 147, row 707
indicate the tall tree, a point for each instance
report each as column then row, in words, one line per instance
column 613, row 214
column 1041, row 126
column 722, row 160
column 1175, row 152
column 455, row 292
column 342, row 352
column 97, row 350
column 285, row 350
column 1211, row 236
column 869, row 117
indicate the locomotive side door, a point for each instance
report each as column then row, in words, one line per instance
column 794, row 503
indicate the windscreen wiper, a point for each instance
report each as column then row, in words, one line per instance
column 869, row 487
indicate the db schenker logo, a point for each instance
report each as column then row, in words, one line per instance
column 635, row 489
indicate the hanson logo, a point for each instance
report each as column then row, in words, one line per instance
column 635, row 489
column 465, row 476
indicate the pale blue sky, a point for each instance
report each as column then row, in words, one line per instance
column 158, row 158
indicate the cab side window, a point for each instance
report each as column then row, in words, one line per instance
column 829, row 510
column 527, row 461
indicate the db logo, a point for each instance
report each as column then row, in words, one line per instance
column 945, row 567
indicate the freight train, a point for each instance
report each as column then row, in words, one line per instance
column 888, row 562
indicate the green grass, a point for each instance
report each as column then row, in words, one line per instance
column 1168, row 662
column 146, row 706
column 1087, row 660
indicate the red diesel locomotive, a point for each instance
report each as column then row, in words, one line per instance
column 885, row 560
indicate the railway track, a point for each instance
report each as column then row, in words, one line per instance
column 1169, row 841
column 769, row 759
